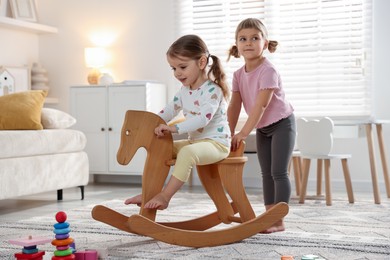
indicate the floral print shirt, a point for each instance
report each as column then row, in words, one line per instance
column 205, row 112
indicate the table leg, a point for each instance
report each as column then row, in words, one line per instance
column 383, row 158
column 372, row 164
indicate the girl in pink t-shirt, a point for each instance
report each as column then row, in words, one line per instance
column 257, row 85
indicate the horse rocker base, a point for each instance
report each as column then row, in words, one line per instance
column 138, row 131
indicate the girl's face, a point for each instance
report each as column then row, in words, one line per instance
column 188, row 71
column 250, row 43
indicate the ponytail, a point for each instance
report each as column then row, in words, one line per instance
column 272, row 45
column 219, row 76
column 233, row 51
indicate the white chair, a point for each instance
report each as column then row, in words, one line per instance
column 315, row 141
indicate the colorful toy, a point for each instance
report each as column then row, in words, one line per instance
column 30, row 250
column 86, row 255
column 62, row 239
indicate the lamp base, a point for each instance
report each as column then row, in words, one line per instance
column 93, row 77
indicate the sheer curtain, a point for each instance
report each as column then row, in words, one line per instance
column 324, row 53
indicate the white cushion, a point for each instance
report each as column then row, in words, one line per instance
column 56, row 119
column 25, row 143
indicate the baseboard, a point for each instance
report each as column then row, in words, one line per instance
column 249, row 182
column 124, row 179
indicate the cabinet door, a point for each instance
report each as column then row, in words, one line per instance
column 89, row 106
column 121, row 99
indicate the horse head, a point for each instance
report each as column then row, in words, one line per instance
column 138, row 131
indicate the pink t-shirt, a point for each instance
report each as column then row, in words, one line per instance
column 263, row 77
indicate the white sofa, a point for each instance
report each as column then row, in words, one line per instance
column 38, row 151
column 34, row 161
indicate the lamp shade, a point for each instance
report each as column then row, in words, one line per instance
column 95, row 57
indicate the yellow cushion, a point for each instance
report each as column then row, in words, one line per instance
column 22, row 110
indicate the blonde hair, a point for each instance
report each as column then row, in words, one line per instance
column 193, row 47
column 252, row 23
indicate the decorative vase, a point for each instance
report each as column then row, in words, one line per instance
column 39, row 79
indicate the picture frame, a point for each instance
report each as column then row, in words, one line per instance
column 3, row 8
column 24, row 10
column 21, row 76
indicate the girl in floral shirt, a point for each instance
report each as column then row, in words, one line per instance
column 203, row 101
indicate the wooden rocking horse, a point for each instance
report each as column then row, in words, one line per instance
column 138, row 131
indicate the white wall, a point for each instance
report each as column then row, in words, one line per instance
column 143, row 30
column 17, row 48
column 139, row 33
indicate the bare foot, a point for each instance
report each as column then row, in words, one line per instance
column 277, row 227
column 273, row 229
column 158, row 202
column 134, row 200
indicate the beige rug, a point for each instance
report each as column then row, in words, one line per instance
column 342, row 231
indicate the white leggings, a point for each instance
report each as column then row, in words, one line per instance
column 200, row 152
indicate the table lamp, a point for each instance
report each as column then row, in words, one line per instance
column 95, row 58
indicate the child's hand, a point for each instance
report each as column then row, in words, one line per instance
column 236, row 140
column 162, row 129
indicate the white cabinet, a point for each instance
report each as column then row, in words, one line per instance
column 100, row 111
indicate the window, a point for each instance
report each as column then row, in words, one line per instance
column 324, row 47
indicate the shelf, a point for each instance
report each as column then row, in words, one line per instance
column 11, row 23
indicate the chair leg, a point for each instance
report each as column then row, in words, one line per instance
column 319, row 177
column 306, row 168
column 328, row 188
column 297, row 165
column 348, row 182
